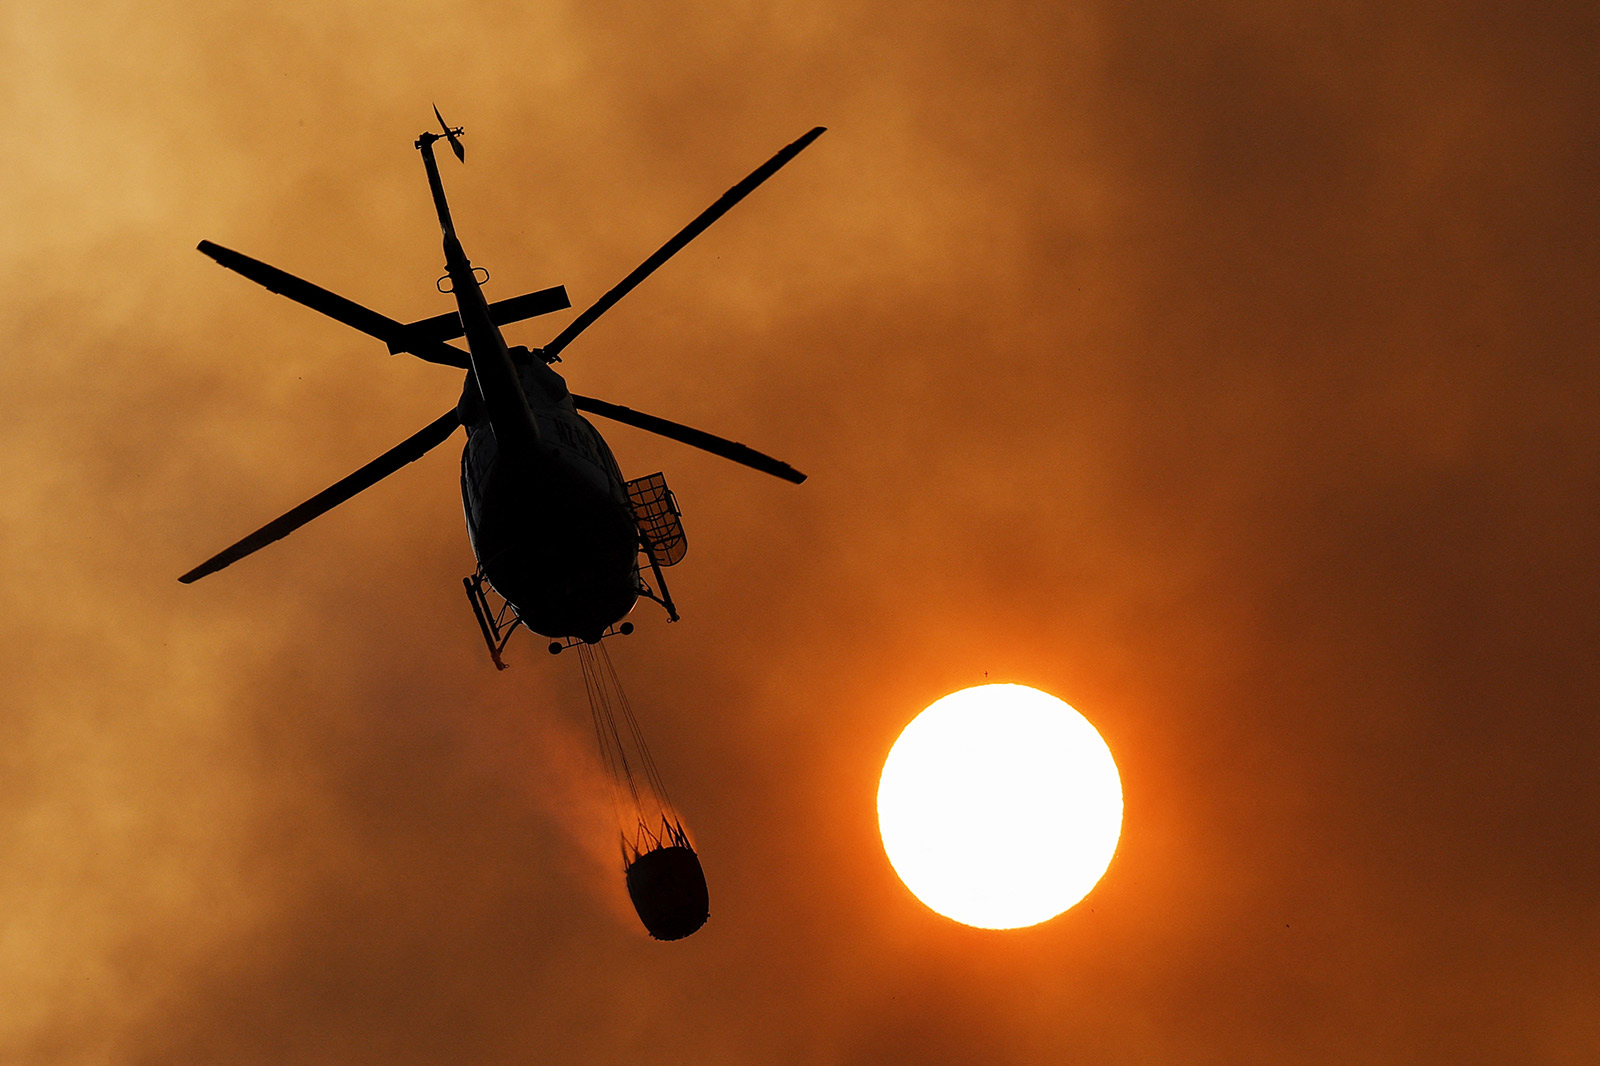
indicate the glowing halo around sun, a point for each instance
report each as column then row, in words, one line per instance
column 1000, row 806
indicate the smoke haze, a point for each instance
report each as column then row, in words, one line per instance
column 1227, row 370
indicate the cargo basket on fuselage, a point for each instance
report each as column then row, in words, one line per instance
column 660, row 521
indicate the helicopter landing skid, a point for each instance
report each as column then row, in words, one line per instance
column 497, row 625
column 664, row 598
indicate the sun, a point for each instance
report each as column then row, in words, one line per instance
column 1000, row 806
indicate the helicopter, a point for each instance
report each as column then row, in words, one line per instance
column 561, row 539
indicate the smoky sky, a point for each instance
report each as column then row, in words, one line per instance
column 1227, row 370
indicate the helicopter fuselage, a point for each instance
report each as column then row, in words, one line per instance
column 546, row 506
column 549, row 518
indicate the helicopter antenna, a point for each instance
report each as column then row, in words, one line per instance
column 451, row 134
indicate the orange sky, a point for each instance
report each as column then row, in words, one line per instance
column 1226, row 369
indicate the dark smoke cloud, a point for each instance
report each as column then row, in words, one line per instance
column 1227, row 370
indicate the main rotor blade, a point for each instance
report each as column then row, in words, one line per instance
column 336, row 307
column 409, row 450
column 695, row 438
column 684, row 236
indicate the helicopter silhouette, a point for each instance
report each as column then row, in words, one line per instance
column 560, row 537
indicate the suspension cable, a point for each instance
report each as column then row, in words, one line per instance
column 635, row 778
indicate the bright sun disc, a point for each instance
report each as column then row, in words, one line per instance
column 1000, row 806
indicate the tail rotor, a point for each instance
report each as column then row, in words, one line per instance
column 451, row 134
